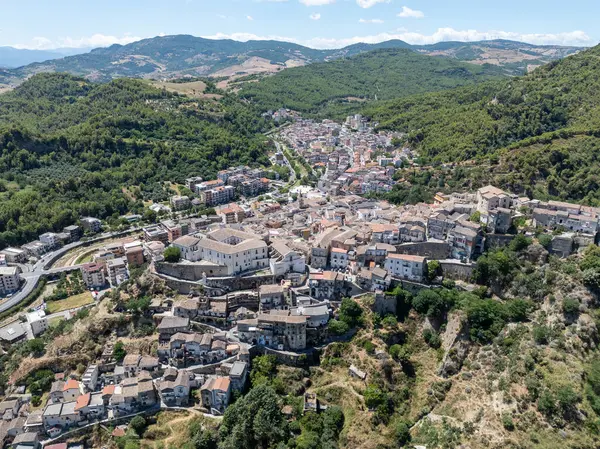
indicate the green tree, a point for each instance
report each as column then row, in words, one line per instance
column 337, row 327
column 172, row 254
column 138, row 424
column 519, row 243
column 350, row 312
column 254, row 421
column 433, row 269
column 119, row 352
column 402, row 433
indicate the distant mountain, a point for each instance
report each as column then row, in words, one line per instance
column 184, row 55
column 11, row 57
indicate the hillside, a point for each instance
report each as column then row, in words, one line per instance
column 68, row 147
column 375, row 75
column 478, row 120
column 180, row 55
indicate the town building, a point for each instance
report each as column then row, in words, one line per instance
column 14, row 255
column 218, row 195
column 156, row 233
column 94, row 274
column 233, row 251
column 180, row 202
column 405, row 266
column 38, row 322
column 9, row 280
column 285, row 260
column 215, row 394
column 117, row 271
column 91, row 225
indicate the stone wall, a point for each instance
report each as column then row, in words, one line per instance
column 457, row 270
column 189, row 271
column 431, row 250
column 498, row 240
column 311, row 357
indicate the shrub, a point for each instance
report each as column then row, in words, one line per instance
column 138, row 423
column 350, row 312
column 375, row 397
column 542, row 334
column 399, row 353
column 432, row 338
column 570, row 306
column 519, row 243
column 36, row 401
column 507, row 422
column 547, row 404
column 119, row 352
column 172, row 254
column 518, row 309
column 390, row 321
column 402, row 433
column 545, row 240
column 336, row 327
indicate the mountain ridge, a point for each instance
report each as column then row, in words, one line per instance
column 186, row 55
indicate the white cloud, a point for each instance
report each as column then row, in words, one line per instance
column 577, row 38
column 369, row 3
column 250, row 18
column 96, row 40
column 315, row 16
column 408, row 13
column 316, row 2
column 370, row 21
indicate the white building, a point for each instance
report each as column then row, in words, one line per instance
column 117, row 270
column 188, row 247
column 90, row 377
column 235, row 251
column 405, row 266
column 285, row 260
column 38, row 322
column 9, row 280
column 49, row 239
column 14, row 255
column 339, row 259
column 218, row 195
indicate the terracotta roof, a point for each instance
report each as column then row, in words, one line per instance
column 83, row 401
column 221, row 383
column 109, row 389
column 71, row 384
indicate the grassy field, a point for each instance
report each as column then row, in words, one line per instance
column 71, row 302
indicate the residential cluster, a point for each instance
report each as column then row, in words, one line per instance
column 352, row 157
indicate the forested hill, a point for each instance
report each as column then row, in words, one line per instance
column 69, row 148
column 476, row 120
column 325, row 88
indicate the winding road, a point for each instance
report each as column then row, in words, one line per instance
column 33, row 273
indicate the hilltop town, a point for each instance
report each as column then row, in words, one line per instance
column 244, row 266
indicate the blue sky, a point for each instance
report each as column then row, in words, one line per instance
column 45, row 24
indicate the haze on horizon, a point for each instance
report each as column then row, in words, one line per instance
column 314, row 23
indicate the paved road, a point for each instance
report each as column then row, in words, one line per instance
column 42, row 267
column 292, row 172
